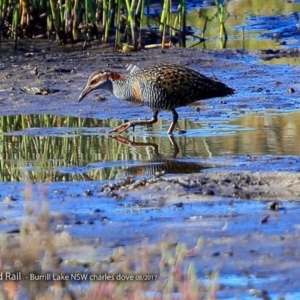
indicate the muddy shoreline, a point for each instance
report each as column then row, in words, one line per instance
column 225, row 205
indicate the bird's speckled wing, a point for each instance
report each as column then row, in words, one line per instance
column 169, row 86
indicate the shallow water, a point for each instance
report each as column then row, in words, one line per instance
column 250, row 25
column 55, row 148
column 282, row 61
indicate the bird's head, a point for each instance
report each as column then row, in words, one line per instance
column 100, row 79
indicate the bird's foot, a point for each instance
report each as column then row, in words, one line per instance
column 121, row 128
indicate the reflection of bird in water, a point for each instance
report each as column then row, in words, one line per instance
column 159, row 163
column 162, row 87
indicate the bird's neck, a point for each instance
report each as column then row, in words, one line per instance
column 113, row 76
column 121, row 87
column 111, row 81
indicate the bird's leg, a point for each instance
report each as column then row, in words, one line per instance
column 123, row 127
column 129, row 143
column 175, row 145
column 173, row 124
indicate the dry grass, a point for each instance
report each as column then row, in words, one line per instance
column 36, row 250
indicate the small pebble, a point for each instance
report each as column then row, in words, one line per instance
column 228, row 254
column 181, row 131
column 57, row 192
column 178, row 205
column 100, row 99
column 259, row 294
column 273, row 206
column 87, row 193
column 9, row 199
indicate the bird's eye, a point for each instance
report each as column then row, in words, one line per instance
column 93, row 82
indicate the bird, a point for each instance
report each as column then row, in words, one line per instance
column 164, row 86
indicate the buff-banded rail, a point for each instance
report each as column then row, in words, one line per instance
column 161, row 87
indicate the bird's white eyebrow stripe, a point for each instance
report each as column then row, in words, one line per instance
column 97, row 76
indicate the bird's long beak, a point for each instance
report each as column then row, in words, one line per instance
column 84, row 92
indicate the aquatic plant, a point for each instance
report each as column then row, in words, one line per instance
column 222, row 14
column 86, row 19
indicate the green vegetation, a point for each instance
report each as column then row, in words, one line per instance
column 222, row 15
column 82, row 19
column 125, row 21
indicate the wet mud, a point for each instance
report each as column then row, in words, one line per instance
column 244, row 207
